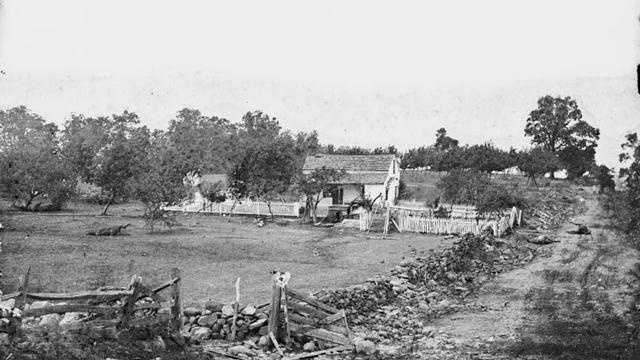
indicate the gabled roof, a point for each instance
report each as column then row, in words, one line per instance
column 366, row 177
column 349, row 162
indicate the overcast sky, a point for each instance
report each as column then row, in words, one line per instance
column 361, row 72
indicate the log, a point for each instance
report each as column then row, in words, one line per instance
column 333, row 318
column 166, row 285
column 314, row 302
column 301, row 308
column 332, row 350
column 95, row 296
column 130, row 301
column 275, row 343
column 61, row 309
column 330, row 336
column 176, row 306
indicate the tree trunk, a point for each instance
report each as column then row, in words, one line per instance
column 104, row 212
column 270, row 212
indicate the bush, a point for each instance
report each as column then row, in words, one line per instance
column 475, row 188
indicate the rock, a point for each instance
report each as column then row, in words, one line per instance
column 264, row 330
column 389, row 350
column 240, row 349
column 309, row 347
column 192, row 311
column 4, row 339
column 257, row 324
column 227, row 310
column 213, row 306
column 264, row 341
column 50, row 320
column 71, row 318
column 366, row 347
column 158, row 343
column 249, row 310
column 541, row 240
column 8, row 304
column 208, row 320
column 200, row 333
column 39, row 304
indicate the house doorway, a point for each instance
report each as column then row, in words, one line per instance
column 337, row 196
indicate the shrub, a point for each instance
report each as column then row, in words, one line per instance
column 475, row 188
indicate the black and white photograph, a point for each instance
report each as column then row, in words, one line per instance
column 320, row 180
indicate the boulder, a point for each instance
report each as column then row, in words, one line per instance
column 8, row 304
column 264, row 341
column 309, row 347
column 240, row 349
column 208, row 320
column 249, row 310
column 213, row 306
column 200, row 333
column 50, row 320
column 227, row 310
column 71, row 318
column 257, row 324
column 192, row 311
column 366, row 347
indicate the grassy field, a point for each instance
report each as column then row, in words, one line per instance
column 211, row 251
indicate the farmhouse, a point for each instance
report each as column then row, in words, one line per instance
column 369, row 175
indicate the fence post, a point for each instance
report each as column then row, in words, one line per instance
column 130, row 301
column 236, row 304
column 22, row 289
column 176, row 306
column 274, row 316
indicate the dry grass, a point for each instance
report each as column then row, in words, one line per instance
column 211, row 251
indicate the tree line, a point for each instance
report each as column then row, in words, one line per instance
column 41, row 163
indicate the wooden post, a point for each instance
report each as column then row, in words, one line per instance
column 386, row 221
column 236, row 304
column 176, row 306
column 286, row 315
column 130, row 301
column 274, row 316
column 22, row 289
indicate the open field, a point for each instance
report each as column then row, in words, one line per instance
column 211, row 251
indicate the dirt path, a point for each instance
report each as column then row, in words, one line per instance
column 569, row 305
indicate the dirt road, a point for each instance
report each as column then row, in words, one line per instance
column 570, row 304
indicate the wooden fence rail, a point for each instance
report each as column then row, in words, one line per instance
column 89, row 301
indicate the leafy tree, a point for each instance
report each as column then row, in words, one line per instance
column 443, row 141
column 82, row 139
column 577, row 161
column 204, row 144
column 486, row 158
column 314, row 185
column 117, row 164
column 466, row 186
column 537, row 162
column 32, row 171
column 161, row 184
column 557, row 126
column 630, row 157
column 264, row 172
column 604, row 177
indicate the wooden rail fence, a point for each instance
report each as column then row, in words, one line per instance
column 96, row 304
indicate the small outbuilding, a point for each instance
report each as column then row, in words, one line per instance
column 374, row 176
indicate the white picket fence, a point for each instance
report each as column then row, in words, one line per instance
column 424, row 221
column 246, row 207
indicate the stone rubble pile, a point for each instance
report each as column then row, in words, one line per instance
column 215, row 322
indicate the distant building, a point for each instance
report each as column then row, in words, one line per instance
column 367, row 175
